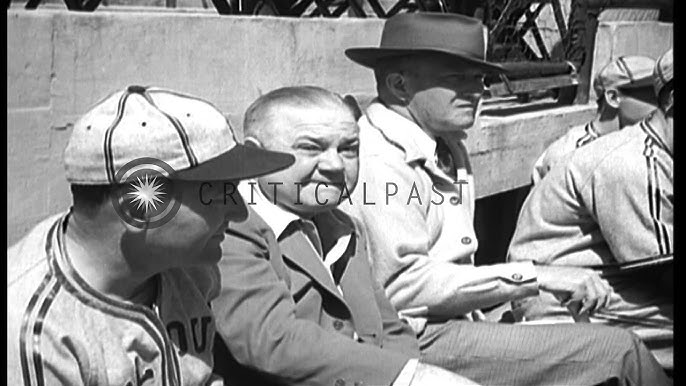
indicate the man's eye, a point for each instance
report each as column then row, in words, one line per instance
column 308, row 147
column 353, row 149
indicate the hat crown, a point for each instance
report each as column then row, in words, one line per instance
column 625, row 72
column 179, row 129
column 427, row 30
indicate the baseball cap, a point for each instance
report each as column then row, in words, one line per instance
column 664, row 71
column 186, row 132
column 625, row 72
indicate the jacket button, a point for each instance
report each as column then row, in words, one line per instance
column 339, row 382
column 466, row 240
column 338, row 325
column 517, row 277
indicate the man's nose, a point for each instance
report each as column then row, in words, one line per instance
column 331, row 161
column 235, row 208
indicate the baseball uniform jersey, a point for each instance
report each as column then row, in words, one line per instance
column 62, row 331
column 576, row 137
column 610, row 201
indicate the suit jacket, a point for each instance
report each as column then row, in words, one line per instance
column 283, row 319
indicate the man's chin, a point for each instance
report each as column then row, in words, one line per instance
column 212, row 252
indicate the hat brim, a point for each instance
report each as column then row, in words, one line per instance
column 239, row 163
column 370, row 57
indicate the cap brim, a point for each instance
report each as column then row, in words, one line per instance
column 239, row 163
column 644, row 82
column 370, row 57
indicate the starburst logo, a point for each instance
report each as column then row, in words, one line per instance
column 147, row 198
column 146, row 193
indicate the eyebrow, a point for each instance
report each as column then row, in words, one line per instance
column 320, row 140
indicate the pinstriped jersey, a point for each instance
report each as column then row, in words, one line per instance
column 62, row 331
column 574, row 138
column 609, row 201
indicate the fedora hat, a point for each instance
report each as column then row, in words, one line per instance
column 460, row 37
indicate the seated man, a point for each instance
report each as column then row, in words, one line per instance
column 299, row 304
column 111, row 291
column 416, row 201
column 610, row 202
column 624, row 96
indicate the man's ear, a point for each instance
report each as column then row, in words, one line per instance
column 612, row 98
column 396, row 83
column 669, row 102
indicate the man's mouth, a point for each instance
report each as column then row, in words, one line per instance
column 327, row 183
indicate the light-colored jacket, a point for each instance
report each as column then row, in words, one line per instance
column 60, row 331
column 576, row 137
column 422, row 239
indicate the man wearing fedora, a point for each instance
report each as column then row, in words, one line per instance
column 417, row 203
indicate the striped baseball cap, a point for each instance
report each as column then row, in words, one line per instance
column 186, row 132
column 664, row 71
column 624, row 72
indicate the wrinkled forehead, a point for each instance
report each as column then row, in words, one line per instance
column 318, row 117
column 316, row 122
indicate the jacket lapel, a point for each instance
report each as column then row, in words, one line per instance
column 297, row 249
column 357, row 286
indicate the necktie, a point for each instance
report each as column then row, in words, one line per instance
column 311, row 231
column 444, row 158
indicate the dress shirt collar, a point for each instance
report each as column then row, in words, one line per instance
column 279, row 219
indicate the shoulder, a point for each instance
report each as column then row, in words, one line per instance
column 374, row 144
column 563, row 145
column 610, row 154
column 252, row 230
column 29, row 253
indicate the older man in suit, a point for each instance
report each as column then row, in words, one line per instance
column 299, row 303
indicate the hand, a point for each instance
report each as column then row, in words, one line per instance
column 429, row 375
column 575, row 286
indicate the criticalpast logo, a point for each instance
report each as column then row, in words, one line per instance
column 146, row 197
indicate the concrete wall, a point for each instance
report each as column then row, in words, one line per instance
column 59, row 63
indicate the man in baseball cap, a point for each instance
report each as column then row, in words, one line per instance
column 415, row 168
column 624, row 96
column 116, row 290
column 610, row 205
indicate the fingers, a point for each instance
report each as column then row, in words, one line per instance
column 572, row 284
column 593, row 292
column 609, row 292
column 599, row 293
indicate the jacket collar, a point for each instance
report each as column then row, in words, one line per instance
column 279, row 219
column 400, row 131
column 417, row 144
column 655, row 125
column 295, row 245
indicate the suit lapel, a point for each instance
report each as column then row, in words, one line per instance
column 297, row 249
column 356, row 284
